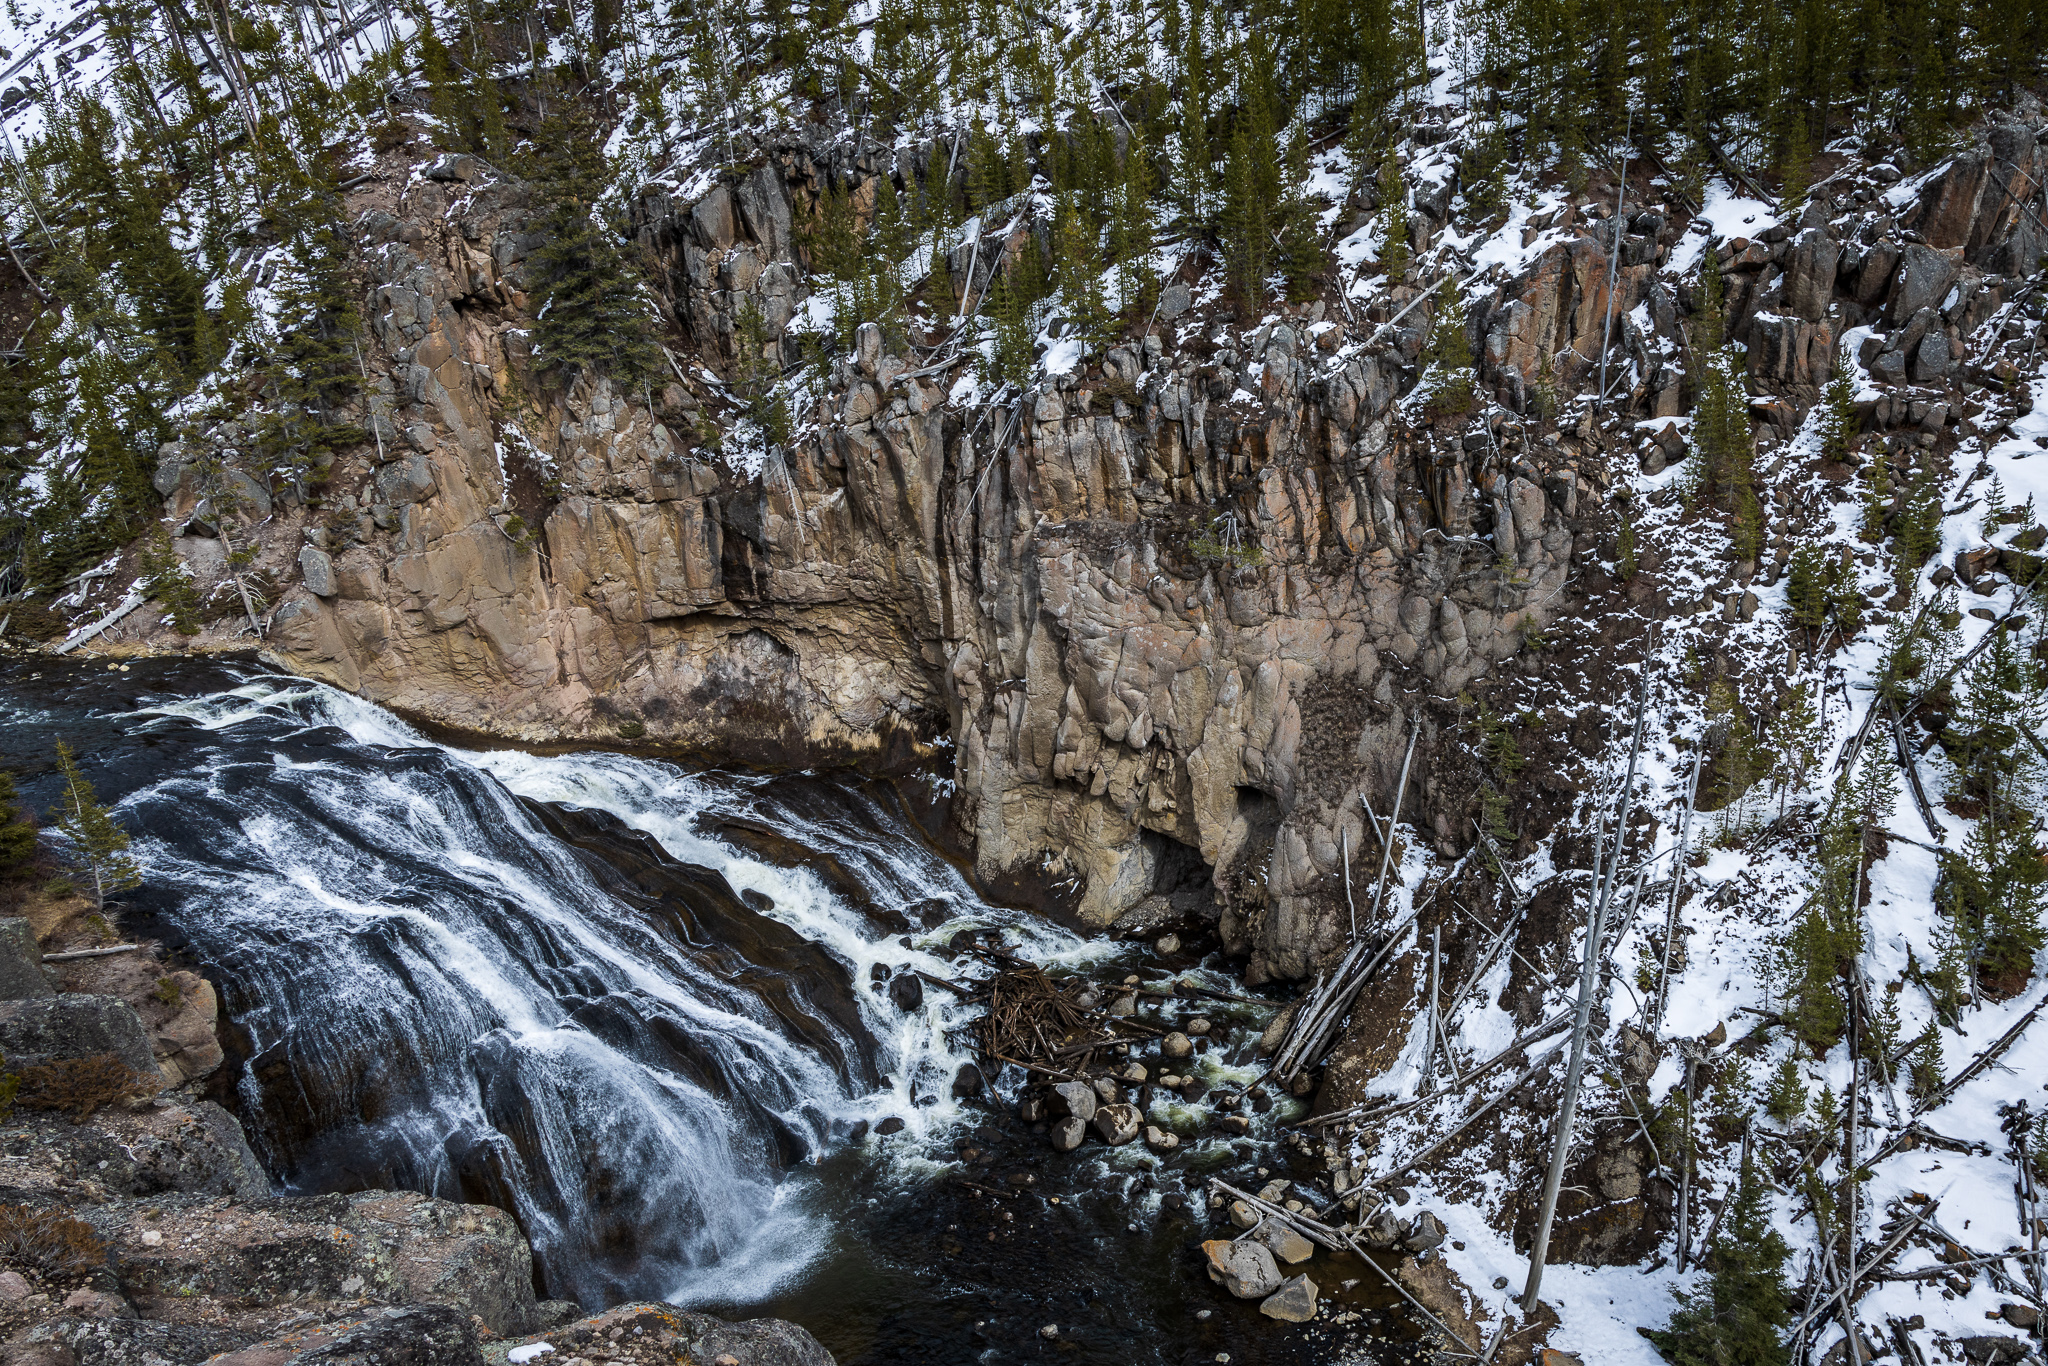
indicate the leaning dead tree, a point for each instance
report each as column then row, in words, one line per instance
column 1590, row 974
column 1322, row 1012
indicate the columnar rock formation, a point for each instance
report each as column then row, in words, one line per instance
column 1170, row 611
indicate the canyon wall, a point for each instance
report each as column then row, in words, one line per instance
column 1167, row 614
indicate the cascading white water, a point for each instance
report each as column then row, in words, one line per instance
column 440, row 994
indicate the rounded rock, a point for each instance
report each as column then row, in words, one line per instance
column 1293, row 1302
column 906, row 991
column 1177, row 1045
column 1075, row 1098
column 1118, row 1124
column 1066, row 1134
column 1245, row 1269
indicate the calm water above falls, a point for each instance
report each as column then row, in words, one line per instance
column 631, row 1003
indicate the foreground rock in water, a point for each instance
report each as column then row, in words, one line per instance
column 148, row 1236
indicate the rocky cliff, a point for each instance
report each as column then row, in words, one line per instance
column 1165, row 613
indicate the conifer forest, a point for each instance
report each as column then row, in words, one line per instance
column 1490, row 554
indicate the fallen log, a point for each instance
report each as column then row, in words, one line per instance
column 69, row 954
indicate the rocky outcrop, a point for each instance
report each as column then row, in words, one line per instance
column 662, row 1333
column 39, row 1032
column 1122, row 599
column 380, row 1246
column 198, row 1263
column 1166, row 614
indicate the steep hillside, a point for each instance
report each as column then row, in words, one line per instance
column 1239, row 454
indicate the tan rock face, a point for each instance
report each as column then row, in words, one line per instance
column 1170, row 612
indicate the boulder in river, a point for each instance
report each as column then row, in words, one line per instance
column 1294, row 1302
column 1075, row 1098
column 1118, row 1124
column 1066, row 1134
column 1284, row 1243
column 1177, row 1046
column 1425, row 1233
column 906, row 990
column 967, row 1081
column 1161, row 1140
column 1245, row 1269
column 1383, row 1230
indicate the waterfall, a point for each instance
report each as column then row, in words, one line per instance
column 571, row 985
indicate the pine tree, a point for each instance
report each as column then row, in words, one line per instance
column 98, row 845
column 1447, row 356
column 1924, row 1069
column 1393, row 218
column 1137, row 276
column 1994, row 508
column 1013, row 355
column 1919, row 528
column 166, row 579
column 1301, row 248
column 1874, row 503
column 1838, row 418
column 1740, row 1316
column 591, row 315
column 1996, row 885
column 1196, row 159
column 988, row 174
column 1785, row 1102
column 1806, row 586
column 17, row 832
column 756, row 378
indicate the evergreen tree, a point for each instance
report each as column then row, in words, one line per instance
column 1924, row 1070
column 1447, row 356
column 17, row 832
column 1740, row 1316
column 98, row 845
column 590, row 315
column 1245, row 214
column 756, row 377
column 1785, row 1102
column 1080, row 283
column 1994, row 508
column 1838, row 418
column 166, row 579
column 1301, row 247
column 1806, row 586
column 1996, row 885
column 1393, row 199
column 1137, row 276
column 311, row 366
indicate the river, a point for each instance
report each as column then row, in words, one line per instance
column 635, row 1003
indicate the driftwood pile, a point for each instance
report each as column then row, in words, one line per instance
column 1047, row 1027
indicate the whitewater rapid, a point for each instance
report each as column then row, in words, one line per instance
column 440, row 993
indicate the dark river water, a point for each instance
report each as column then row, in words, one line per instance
column 632, row 1003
